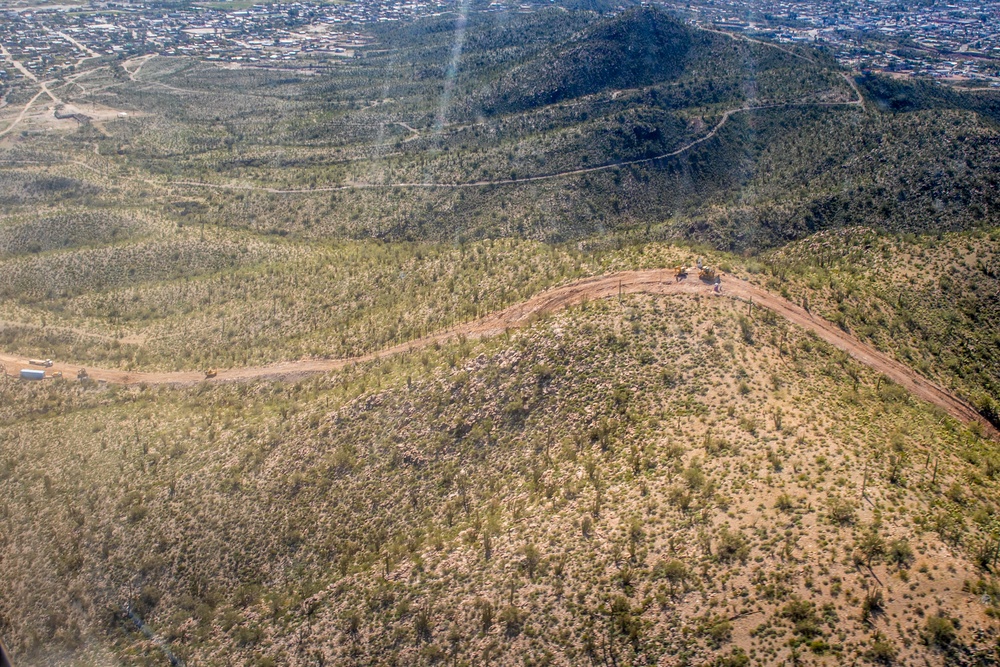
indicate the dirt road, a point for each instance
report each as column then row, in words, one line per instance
column 506, row 181
column 657, row 281
column 28, row 74
column 20, row 116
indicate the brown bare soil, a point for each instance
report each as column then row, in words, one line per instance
column 656, row 281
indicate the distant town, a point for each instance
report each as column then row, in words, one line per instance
column 954, row 41
column 957, row 42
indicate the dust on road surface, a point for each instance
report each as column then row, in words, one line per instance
column 655, row 281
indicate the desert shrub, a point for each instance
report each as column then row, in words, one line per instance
column 950, row 525
column 716, row 629
column 626, row 620
column 248, row 635
column 984, row 552
column 738, row 658
column 784, row 502
column 802, row 614
column 840, row 511
column 352, row 622
column 731, row 545
column 900, row 553
column 674, row 571
column 873, row 603
column 532, row 559
column 775, row 459
column 869, row 547
column 882, row 651
column 939, row 631
column 956, row 494
column 512, row 620
column 694, row 476
column 715, row 445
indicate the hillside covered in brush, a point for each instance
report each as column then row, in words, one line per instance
column 651, row 478
column 638, row 49
column 554, row 125
column 648, row 478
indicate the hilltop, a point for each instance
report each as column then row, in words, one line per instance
column 459, row 410
column 554, row 125
column 637, row 49
column 569, row 491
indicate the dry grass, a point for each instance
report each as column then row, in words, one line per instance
column 648, row 479
column 932, row 300
column 232, row 300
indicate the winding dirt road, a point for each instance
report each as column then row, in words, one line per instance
column 511, row 181
column 656, row 281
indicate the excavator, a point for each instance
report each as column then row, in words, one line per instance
column 680, row 273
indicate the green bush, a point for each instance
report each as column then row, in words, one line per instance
column 939, row 631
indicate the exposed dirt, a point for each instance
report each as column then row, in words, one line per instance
column 657, row 281
column 21, row 115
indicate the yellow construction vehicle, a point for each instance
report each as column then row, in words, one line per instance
column 680, row 272
column 211, row 373
column 707, row 274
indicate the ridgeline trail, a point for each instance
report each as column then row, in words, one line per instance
column 654, row 281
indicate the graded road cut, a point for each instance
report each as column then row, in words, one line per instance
column 654, row 281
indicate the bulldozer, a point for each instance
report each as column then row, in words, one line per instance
column 680, row 273
column 708, row 274
column 211, row 373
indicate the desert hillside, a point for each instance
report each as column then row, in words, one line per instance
column 660, row 478
column 472, row 333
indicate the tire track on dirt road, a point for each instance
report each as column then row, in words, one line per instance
column 654, row 281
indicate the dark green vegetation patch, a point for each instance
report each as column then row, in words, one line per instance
column 553, row 125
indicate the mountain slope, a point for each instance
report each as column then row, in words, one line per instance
column 553, row 125
column 639, row 48
column 565, row 493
